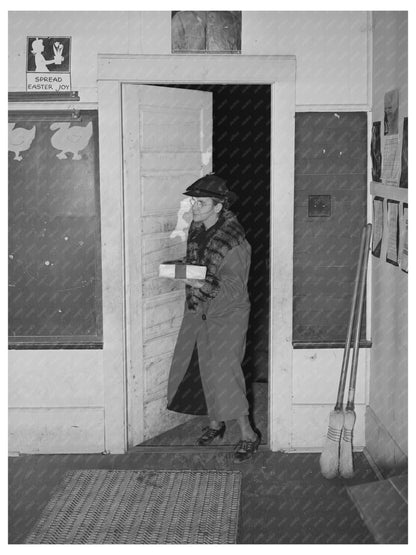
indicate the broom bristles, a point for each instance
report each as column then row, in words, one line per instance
column 346, row 461
column 329, row 459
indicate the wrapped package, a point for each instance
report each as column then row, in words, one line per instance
column 179, row 270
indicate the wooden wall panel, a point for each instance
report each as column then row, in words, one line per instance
column 56, row 430
column 316, row 375
column 51, row 378
column 310, row 426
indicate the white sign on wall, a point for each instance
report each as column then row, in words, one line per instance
column 48, row 64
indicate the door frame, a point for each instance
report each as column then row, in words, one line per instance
column 121, row 308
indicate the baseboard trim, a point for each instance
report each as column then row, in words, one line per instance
column 373, row 465
column 356, row 449
column 384, row 450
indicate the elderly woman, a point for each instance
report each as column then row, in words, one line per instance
column 206, row 375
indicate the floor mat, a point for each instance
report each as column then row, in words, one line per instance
column 141, row 506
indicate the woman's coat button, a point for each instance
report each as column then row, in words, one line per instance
column 204, row 316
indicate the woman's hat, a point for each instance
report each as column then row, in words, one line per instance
column 211, row 186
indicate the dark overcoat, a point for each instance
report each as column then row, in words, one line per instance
column 206, row 375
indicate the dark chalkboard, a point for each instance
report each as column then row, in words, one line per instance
column 54, row 230
column 331, row 169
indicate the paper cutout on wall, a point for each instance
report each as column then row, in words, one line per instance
column 70, row 139
column 20, row 139
column 390, row 169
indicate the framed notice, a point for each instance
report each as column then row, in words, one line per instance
column 200, row 31
column 48, row 64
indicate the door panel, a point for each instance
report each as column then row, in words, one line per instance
column 159, row 346
column 163, row 314
column 171, row 161
column 161, row 193
column 157, row 248
column 167, row 140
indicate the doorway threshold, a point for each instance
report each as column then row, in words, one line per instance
column 186, row 434
column 188, row 449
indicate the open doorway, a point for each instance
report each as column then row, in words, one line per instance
column 241, row 155
column 124, row 311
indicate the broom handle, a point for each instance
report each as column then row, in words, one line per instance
column 354, row 363
column 347, row 346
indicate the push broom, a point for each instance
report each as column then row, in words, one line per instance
column 346, row 465
column 329, row 459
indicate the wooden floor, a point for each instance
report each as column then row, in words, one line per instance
column 284, row 498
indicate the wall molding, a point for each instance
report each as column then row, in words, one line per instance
column 333, row 108
column 381, row 445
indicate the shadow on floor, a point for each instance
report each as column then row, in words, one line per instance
column 284, row 498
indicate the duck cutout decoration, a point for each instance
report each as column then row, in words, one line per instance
column 70, row 139
column 20, row 139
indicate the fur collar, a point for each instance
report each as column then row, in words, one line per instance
column 208, row 248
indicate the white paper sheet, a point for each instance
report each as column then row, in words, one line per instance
column 391, row 162
column 404, row 244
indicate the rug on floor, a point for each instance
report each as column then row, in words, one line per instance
column 141, row 506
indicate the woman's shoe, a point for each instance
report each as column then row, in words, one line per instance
column 210, row 434
column 245, row 449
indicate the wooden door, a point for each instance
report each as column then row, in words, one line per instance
column 167, row 145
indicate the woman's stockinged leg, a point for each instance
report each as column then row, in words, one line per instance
column 247, row 431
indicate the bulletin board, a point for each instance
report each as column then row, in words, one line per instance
column 54, row 230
